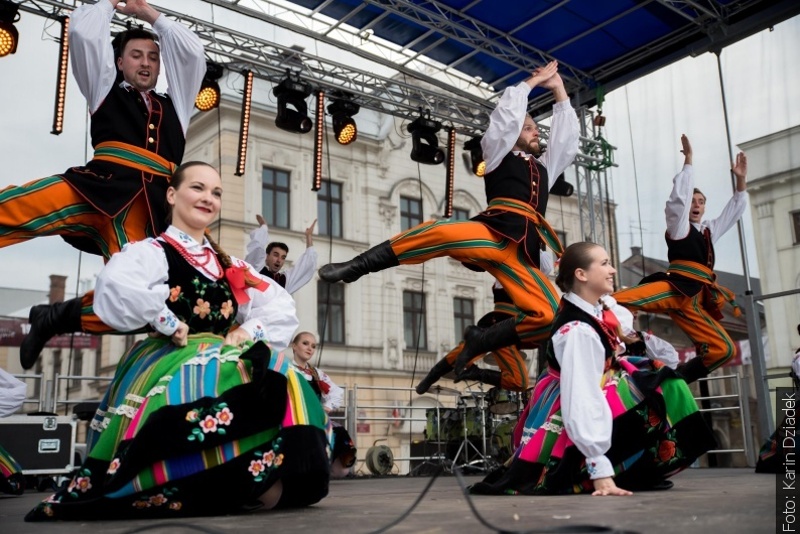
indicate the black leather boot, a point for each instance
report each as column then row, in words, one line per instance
column 485, row 376
column 376, row 259
column 481, row 340
column 436, row 372
column 692, row 370
column 46, row 321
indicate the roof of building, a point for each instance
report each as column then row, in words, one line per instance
column 15, row 302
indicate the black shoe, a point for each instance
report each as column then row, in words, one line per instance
column 46, row 321
column 376, row 259
column 692, row 370
column 436, row 372
column 481, row 340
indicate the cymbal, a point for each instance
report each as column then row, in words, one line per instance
column 441, row 390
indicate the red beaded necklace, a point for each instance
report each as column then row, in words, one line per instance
column 199, row 261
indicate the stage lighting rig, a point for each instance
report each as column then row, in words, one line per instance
column 9, row 36
column 293, row 92
column 209, row 96
column 425, row 146
column 344, row 126
column 476, row 162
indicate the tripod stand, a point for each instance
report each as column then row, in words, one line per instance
column 480, row 460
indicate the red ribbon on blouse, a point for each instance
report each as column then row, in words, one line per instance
column 238, row 277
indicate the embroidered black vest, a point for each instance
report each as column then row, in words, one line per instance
column 204, row 305
column 523, row 179
column 278, row 277
column 110, row 187
column 696, row 247
column 568, row 312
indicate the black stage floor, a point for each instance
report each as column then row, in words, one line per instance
column 703, row 501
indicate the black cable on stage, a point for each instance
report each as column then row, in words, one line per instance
column 411, row 508
column 545, row 530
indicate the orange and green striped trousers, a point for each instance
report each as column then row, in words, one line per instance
column 51, row 207
column 712, row 342
column 534, row 297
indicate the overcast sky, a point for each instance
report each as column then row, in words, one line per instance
column 761, row 77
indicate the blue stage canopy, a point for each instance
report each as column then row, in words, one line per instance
column 596, row 42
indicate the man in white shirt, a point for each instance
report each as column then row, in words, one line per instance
column 270, row 258
column 688, row 292
column 138, row 136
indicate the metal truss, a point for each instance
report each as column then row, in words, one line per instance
column 590, row 177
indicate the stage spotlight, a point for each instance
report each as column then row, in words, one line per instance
column 344, row 126
column 292, row 92
column 561, row 187
column 477, row 163
column 319, row 135
column 9, row 36
column 209, row 96
column 61, row 79
column 244, row 127
column 425, row 146
column 451, row 173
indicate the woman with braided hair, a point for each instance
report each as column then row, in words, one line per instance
column 201, row 418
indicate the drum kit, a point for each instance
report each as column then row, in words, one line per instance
column 478, row 431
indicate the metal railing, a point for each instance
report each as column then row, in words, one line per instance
column 741, row 405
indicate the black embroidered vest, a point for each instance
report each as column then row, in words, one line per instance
column 523, row 179
column 278, row 277
column 568, row 312
column 111, row 187
column 696, row 247
column 203, row 304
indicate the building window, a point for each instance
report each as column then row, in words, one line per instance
column 329, row 209
column 330, row 312
column 562, row 236
column 463, row 315
column 460, row 214
column 796, row 226
column 275, row 197
column 77, row 367
column 414, row 322
column 410, row 213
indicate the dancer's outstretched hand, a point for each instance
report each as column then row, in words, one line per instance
column 686, row 149
column 606, row 486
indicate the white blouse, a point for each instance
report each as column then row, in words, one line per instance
column 679, row 206
column 297, row 275
column 92, row 57
column 132, row 291
column 586, row 414
column 505, row 125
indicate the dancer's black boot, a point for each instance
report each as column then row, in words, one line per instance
column 376, row 259
column 48, row 320
column 692, row 370
column 478, row 341
column 436, row 372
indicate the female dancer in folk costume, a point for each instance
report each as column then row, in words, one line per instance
column 304, row 345
column 196, row 420
column 590, row 426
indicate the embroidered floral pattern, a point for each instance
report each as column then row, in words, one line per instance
column 202, row 309
column 258, row 333
column 113, row 466
column 82, row 482
column 175, row 293
column 159, row 499
column 265, row 462
column 209, row 421
column 666, row 450
column 226, row 309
